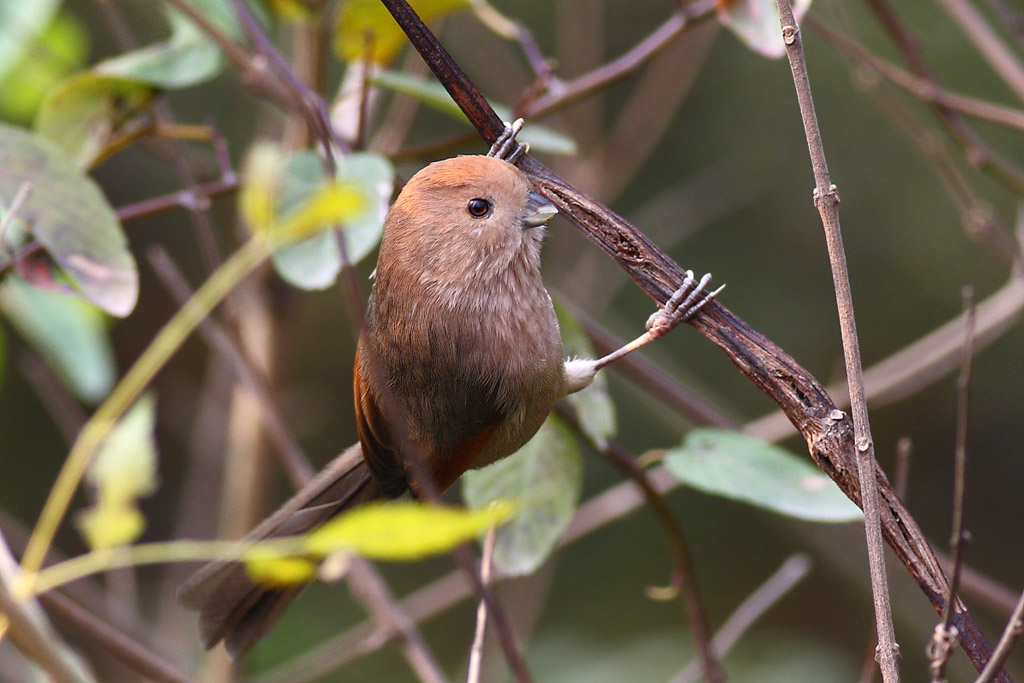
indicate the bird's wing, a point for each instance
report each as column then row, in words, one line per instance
column 379, row 449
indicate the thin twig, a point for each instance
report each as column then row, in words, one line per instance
column 617, row 69
column 826, row 429
column 309, row 103
column 792, row 571
column 684, row 577
column 293, row 459
column 185, row 199
column 826, row 198
column 1011, row 18
column 922, row 88
column 369, row 589
column 945, row 637
column 924, row 361
column 23, row 622
column 1001, row 58
column 11, row 212
column 901, row 479
column 114, row 642
column 1014, row 629
column 476, row 651
column 977, row 152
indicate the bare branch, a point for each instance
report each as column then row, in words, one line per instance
column 293, row 459
column 792, row 571
column 369, row 589
column 1014, row 629
column 476, row 651
column 605, row 75
column 826, row 198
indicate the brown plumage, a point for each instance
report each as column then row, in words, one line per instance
column 459, row 364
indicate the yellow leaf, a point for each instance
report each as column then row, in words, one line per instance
column 108, row 525
column 404, row 530
column 125, row 467
column 270, row 568
column 257, row 197
column 327, row 208
column 365, row 28
column 290, row 10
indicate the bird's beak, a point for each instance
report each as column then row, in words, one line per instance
column 538, row 211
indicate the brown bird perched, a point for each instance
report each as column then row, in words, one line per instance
column 459, row 363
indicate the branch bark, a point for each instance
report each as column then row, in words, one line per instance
column 826, row 429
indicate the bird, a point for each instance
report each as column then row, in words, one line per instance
column 458, row 364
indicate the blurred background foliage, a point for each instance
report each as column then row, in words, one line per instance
column 725, row 188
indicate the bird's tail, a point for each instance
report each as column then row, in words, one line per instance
column 231, row 606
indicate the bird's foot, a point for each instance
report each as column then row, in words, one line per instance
column 682, row 305
column 506, row 147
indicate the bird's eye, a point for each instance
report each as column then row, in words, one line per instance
column 479, row 208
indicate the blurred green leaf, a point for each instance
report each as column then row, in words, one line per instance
column 70, row 333
column 185, row 59
column 315, row 262
column 367, row 23
column 433, row 94
column 71, row 218
column 593, row 405
column 62, row 48
column 270, row 568
column 362, row 233
column 332, row 205
column 290, row 194
column 404, row 530
column 21, row 24
column 742, row 468
column 545, row 478
column 124, row 470
column 87, row 112
column 756, row 23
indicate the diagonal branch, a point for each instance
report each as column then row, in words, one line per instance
column 827, row 430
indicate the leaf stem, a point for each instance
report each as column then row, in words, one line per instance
column 159, row 351
column 97, row 561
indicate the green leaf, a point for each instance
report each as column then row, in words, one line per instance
column 70, row 333
column 87, row 112
column 545, row 478
column 756, row 23
column 71, row 218
column 21, row 24
column 742, row 468
column 367, row 23
column 185, row 59
column 403, row 531
column 62, row 48
column 433, row 94
column 362, row 233
column 123, row 470
column 268, row 567
column 283, row 191
column 333, row 204
column 593, row 405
